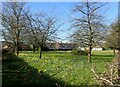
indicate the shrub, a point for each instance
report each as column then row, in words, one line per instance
column 4, row 51
column 79, row 52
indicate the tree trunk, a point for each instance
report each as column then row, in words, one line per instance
column 17, row 45
column 40, row 52
column 17, row 49
column 89, row 53
column 91, row 33
column 33, row 48
column 114, row 51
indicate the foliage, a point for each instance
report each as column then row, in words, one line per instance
column 112, row 38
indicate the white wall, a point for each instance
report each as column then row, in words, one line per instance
column 97, row 49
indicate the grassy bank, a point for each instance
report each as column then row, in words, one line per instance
column 59, row 67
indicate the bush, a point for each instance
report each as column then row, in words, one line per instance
column 7, row 50
column 79, row 52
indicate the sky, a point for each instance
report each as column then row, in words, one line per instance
column 63, row 12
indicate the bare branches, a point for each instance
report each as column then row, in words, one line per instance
column 100, row 78
column 14, row 21
column 96, row 8
column 110, row 76
column 88, row 23
column 80, row 8
column 42, row 27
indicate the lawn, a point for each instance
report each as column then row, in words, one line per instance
column 60, row 67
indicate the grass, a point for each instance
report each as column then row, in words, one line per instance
column 59, row 67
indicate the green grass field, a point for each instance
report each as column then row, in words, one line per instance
column 54, row 68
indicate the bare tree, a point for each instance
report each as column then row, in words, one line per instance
column 29, row 39
column 13, row 22
column 44, row 29
column 89, row 24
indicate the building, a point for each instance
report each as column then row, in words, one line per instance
column 97, row 48
column 60, row 46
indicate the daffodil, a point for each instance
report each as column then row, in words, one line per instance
column 44, row 70
column 39, row 71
